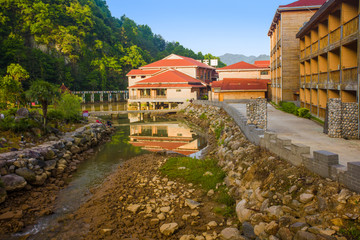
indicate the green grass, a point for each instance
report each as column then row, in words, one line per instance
column 218, row 131
column 203, row 116
column 351, row 231
column 194, row 173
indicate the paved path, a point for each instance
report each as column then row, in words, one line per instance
column 307, row 132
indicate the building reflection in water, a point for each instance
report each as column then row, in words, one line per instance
column 156, row 136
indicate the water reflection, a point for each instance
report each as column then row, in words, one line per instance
column 96, row 107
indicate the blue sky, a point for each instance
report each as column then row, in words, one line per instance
column 212, row 26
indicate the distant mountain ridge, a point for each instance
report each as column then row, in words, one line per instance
column 229, row 58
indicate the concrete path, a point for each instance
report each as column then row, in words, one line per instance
column 305, row 131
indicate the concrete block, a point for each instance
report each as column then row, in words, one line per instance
column 270, row 136
column 326, row 157
column 299, row 148
column 354, row 168
column 259, row 131
column 281, row 141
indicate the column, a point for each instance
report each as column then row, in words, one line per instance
column 93, row 108
column 109, row 97
column 92, row 97
column 117, row 96
column 169, row 105
column 101, row 96
column 83, row 98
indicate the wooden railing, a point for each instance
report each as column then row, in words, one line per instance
column 302, row 79
column 351, row 27
column 349, row 75
column 324, row 42
column 323, row 77
column 335, row 35
column 307, row 51
column 308, row 78
column 334, row 76
column 302, row 53
column 315, row 47
column 314, row 78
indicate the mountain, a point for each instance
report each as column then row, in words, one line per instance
column 78, row 43
column 229, row 58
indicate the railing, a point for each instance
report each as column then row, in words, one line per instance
column 315, row 47
column 334, row 77
column 349, row 75
column 314, row 78
column 351, row 27
column 302, row 54
column 335, row 35
column 323, row 77
column 148, row 97
column 324, row 42
column 307, row 51
column 308, row 78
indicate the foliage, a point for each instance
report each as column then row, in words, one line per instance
column 78, row 43
column 55, row 115
column 351, row 230
column 203, row 116
column 218, row 131
column 21, row 125
column 303, row 112
column 70, row 107
column 288, row 107
column 204, row 97
column 44, row 92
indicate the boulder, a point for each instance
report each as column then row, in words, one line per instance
column 306, row 197
column 230, row 234
column 13, row 182
column 168, row 228
column 242, row 212
column 50, row 165
column 248, row 230
column 26, row 173
column 22, row 113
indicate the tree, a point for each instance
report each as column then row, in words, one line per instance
column 10, row 84
column 70, row 106
column 44, row 92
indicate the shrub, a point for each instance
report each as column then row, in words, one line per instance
column 70, row 106
column 303, row 112
column 55, row 115
column 203, row 116
column 7, row 123
column 204, row 97
column 288, row 107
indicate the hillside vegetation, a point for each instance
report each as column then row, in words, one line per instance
column 78, row 43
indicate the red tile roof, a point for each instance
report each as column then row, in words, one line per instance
column 240, row 65
column 180, row 62
column 142, row 72
column 241, row 84
column 166, row 86
column 263, row 64
column 303, row 3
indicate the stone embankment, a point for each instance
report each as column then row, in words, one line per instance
column 34, row 166
column 276, row 200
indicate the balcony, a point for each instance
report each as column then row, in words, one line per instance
column 308, row 78
column 335, row 35
column 324, row 42
column 323, row 78
column 351, row 27
column 302, row 54
column 314, row 78
column 144, row 97
column 307, row 51
column 349, row 78
column 334, row 79
column 315, row 47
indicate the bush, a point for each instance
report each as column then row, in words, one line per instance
column 203, row 116
column 303, row 112
column 21, row 125
column 70, row 106
column 204, row 97
column 55, row 115
column 289, row 107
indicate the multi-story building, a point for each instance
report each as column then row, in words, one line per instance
column 329, row 56
column 284, row 46
column 258, row 70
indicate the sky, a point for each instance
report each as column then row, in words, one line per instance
column 212, row 26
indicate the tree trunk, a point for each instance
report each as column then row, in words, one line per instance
column 44, row 106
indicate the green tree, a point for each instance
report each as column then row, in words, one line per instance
column 44, row 92
column 70, row 106
column 10, row 84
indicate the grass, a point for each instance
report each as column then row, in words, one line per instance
column 218, row 131
column 203, row 116
column 351, row 230
column 194, row 172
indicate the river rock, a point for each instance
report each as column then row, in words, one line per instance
column 75, row 149
column 285, row 234
column 275, row 212
column 26, row 173
column 40, row 179
column 306, row 197
column 168, row 228
column 242, row 212
column 191, row 203
column 50, row 165
column 13, row 182
column 272, row 228
column 302, row 235
column 248, row 230
column 230, row 234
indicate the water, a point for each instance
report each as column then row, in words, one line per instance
column 96, row 107
column 135, row 135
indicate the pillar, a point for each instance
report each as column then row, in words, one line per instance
column 169, row 105
column 92, row 97
column 101, row 96
column 109, row 97
column 101, row 107
column 139, row 105
column 83, row 107
column 117, row 95
column 83, row 98
column 93, row 108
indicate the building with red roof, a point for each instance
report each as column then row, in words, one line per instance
column 284, row 47
column 242, row 69
column 239, row 88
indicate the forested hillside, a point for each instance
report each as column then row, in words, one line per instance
column 229, row 58
column 78, row 43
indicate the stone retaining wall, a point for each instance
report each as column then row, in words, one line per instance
column 256, row 112
column 34, row 166
column 324, row 163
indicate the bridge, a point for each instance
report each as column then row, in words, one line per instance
column 120, row 95
column 113, row 113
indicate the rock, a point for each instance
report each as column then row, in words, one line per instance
column 344, row 195
column 302, row 235
column 275, row 212
column 337, row 222
column 248, row 230
column 328, row 232
column 191, row 203
column 50, row 165
column 161, row 216
column 13, row 182
column 185, row 217
column 230, row 234
column 165, row 209
column 306, row 197
column 187, row 237
column 313, row 220
column 11, row 215
column 134, row 208
column 259, row 229
column 22, row 113
column 212, row 224
column 75, row 149
column 297, row 226
column 272, row 228
column 154, row 222
column 210, row 193
column 285, row 234
column 208, row 174
column 242, row 212
column 40, row 179
column 48, row 154
column 26, row 173
column 199, row 238
column 3, row 194
column 168, row 228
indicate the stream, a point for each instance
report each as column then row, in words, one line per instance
column 136, row 134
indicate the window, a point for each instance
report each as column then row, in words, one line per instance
column 133, row 77
column 179, row 134
column 264, row 73
column 143, row 76
column 161, row 92
column 178, row 90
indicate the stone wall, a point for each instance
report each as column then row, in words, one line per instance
column 256, row 111
column 342, row 119
column 34, row 166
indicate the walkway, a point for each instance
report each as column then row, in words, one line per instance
column 309, row 133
